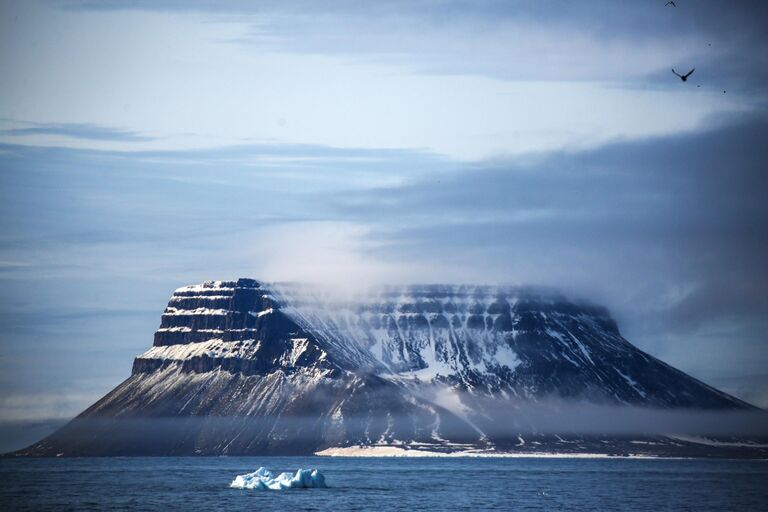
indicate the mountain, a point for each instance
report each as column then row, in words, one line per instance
column 242, row 367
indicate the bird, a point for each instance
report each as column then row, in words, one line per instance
column 684, row 77
column 671, row 2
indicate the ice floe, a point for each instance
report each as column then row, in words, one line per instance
column 263, row 479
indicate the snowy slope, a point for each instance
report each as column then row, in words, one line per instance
column 520, row 342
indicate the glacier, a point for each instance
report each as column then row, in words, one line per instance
column 263, row 479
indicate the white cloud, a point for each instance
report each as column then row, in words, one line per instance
column 181, row 78
column 335, row 254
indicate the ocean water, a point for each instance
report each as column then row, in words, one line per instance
column 202, row 484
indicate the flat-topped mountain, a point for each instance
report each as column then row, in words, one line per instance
column 241, row 367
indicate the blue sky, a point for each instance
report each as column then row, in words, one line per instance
column 144, row 146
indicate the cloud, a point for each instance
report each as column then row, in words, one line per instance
column 85, row 131
column 690, row 204
column 340, row 256
column 528, row 40
column 461, row 80
column 500, row 417
column 43, row 406
column 15, row 435
column 669, row 232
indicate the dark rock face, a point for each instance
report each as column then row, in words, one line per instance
column 238, row 367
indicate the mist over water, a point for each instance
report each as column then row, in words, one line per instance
column 559, row 416
column 498, row 419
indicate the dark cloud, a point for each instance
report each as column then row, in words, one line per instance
column 693, row 199
column 463, row 37
column 608, row 16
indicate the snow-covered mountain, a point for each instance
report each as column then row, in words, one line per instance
column 241, row 367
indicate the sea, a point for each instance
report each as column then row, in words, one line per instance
column 400, row 484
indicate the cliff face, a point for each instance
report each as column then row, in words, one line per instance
column 238, row 367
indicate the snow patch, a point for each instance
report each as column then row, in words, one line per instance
column 210, row 348
column 171, row 311
column 206, row 286
column 713, row 442
column 632, row 382
column 298, row 347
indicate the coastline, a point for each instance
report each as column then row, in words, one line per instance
column 396, row 451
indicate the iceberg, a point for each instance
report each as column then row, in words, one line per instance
column 263, row 479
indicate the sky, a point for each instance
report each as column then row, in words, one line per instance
column 149, row 145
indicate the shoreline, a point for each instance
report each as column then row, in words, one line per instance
column 396, row 451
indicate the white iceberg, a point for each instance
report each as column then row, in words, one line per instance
column 263, row 479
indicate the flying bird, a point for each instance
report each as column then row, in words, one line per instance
column 684, row 77
column 671, row 2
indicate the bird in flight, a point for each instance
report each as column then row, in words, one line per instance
column 671, row 2
column 684, row 77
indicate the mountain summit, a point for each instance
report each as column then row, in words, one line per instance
column 242, row 367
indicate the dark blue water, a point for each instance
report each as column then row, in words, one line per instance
column 202, row 484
